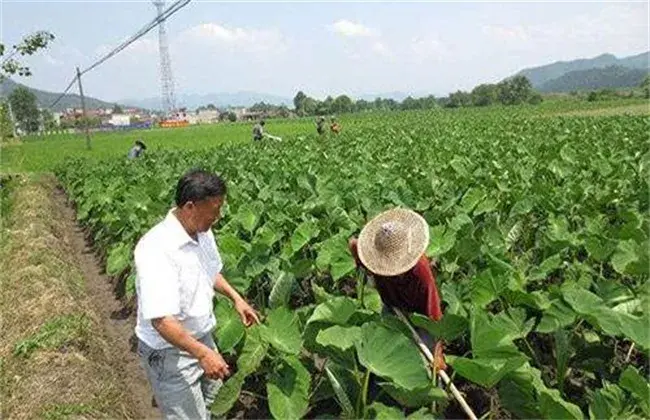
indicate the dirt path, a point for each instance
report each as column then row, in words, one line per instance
column 118, row 327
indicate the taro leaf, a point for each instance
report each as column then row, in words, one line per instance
column 559, row 315
column 304, row 233
column 451, row 294
column 545, row 267
column 521, row 207
column 485, row 372
column 448, row 328
column 598, row 248
column 228, row 394
column 563, row 353
column 459, row 221
column 230, row 329
column 630, row 258
column 536, row 300
column 233, row 246
column 335, row 311
column 487, row 287
column 636, row 384
column 341, row 393
column 486, row 206
column 489, row 338
column 391, row 355
column 613, row 323
column 282, row 331
column 247, row 217
column 523, row 393
column 372, row 299
column 288, row 390
column 320, row 294
column 441, row 241
column 253, row 352
column 119, row 258
column 281, row 290
column 414, row 398
column 342, row 266
column 379, row 411
column 472, row 197
column 342, row 338
column 422, row 414
column 607, row 403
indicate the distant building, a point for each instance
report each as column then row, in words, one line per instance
column 205, row 116
column 120, row 120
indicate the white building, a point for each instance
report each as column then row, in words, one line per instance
column 120, row 120
column 205, row 116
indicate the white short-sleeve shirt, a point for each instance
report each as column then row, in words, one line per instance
column 175, row 276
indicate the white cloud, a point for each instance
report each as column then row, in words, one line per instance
column 240, row 39
column 351, row 29
column 427, row 47
column 507, row 33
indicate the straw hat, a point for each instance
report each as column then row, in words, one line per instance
column 393, row 242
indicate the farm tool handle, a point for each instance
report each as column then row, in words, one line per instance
column 443, row 375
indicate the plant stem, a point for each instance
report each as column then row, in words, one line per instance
column 364, row 394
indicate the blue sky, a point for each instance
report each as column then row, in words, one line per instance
column 321, row 48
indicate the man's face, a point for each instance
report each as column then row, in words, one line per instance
column 205, row 213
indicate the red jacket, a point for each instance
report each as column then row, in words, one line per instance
column 413, row 291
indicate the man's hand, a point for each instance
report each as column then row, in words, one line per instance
column 246, row 312
column 213, row 365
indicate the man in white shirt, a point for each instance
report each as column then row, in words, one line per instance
column 178, row 268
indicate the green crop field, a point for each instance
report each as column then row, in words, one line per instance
column 540, row 226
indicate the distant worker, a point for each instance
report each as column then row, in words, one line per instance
column 335, row 127
column 258, row 131
column 320, row 125
column 137, row 150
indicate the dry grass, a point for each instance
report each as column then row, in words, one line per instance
column 55, row 362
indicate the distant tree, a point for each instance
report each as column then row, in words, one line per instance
column 410, row 103
column 515, row 91
column 117, row 109
column 25, row 109
column 485, row 94
column 362, row 105
column 49, row 123
column 342, row 104
column 29, row 45
column 459, row 99
column 232, row 117
column 6, row 130
column 299, row 101
column 211, row 107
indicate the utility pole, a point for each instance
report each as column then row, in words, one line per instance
column 83, row 109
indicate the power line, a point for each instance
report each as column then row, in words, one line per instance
column 179, row 4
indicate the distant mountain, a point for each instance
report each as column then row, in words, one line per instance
column 192, row 101
column 538, row 76
column 596, row 78
column 45, row 98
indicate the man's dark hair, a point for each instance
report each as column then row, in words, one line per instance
column 262, row 122
column 197, row 185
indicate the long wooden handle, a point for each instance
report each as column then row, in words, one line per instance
column 441, row 373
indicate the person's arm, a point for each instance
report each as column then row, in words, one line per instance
column 426, row 276
column 353, row 245
column 211, row 361
column 246, row 312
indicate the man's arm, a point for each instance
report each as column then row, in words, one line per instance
column 211, row 361
column 426, row 276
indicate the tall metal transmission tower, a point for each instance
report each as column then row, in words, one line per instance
column 166, row 77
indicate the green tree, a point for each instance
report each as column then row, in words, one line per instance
column 25, row 109
column 515, row 91
column 30, row 44
column 117, row 109
column 49, row 123
column 6, row 130
column 485, row 95
column 459, row 99
column 342, row 104
column 299, row 101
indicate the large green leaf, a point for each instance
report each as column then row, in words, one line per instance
column 493, row 340
column 448, row 328
column 230, row 329
column 607, row 403
column 335, row 311
column 633, row 382
column 391, row 355
column 282, row 330
column 416, row 397
column 281, row 290
column 342, row 338
column 381, row 411
column 441, row 241
column 288, row 390
column 487, row 287
column 304, row 233
column 485, row 372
